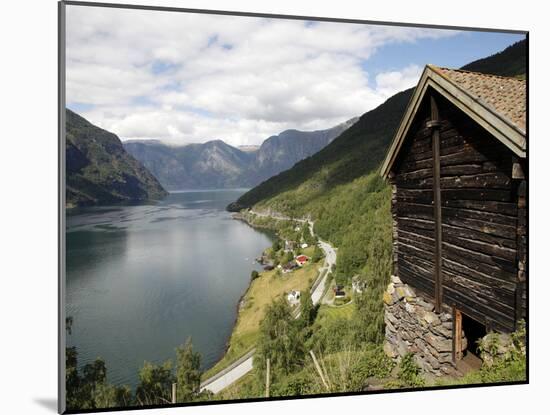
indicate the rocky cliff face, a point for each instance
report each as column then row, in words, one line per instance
column 215, row 164
column 99, row 170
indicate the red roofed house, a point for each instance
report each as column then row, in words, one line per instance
column 301, row 259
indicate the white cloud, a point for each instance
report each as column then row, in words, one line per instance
column 184, row 78
column 389, row 82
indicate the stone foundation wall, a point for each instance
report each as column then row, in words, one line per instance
column 412, row 326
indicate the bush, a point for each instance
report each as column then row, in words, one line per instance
column 297, row 384
column 409, row 372
column 373, row 363
column 253, row 275
column 317, row 254
column 155, row 384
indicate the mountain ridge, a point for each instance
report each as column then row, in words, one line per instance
column 216, row 164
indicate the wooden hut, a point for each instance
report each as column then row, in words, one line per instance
column 458, row 170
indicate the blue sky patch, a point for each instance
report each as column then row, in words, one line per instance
column 160, row 67
column 80, row 107
column 452, row 52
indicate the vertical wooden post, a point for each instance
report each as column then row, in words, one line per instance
column 434, row 125
column 174, row 392
column 267, row 378
column 319, row 370
column 457, row 335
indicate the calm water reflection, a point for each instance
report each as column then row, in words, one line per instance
column 143, row 278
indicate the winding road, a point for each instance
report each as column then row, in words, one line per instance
column 319, row 285
column 243, row 365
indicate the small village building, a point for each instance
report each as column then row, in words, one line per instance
column 302, row 259
column 339, row 294
column 458, row 170
column 293, row 297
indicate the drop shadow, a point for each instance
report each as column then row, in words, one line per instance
column 48, row 403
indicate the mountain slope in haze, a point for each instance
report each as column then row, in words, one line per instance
column 215, row 164
column 355, row 152
column 280, row 152
column 99, row 170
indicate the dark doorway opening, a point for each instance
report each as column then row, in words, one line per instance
column 473, row 330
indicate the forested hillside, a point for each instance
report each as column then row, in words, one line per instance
column 99, row 170
column 512, row 61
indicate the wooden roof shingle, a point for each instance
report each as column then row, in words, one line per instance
column 506, row 96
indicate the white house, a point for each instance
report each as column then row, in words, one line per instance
column 293, row 297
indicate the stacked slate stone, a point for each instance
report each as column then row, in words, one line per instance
column 413, row 327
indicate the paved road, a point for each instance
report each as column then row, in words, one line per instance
column 231, row 374
column 330, row 258
column 243, row 365
column 278, row 216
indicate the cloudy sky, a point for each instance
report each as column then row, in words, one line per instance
column 187, row 78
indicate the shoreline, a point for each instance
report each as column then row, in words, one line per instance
column 247, row 219
column 240, row 217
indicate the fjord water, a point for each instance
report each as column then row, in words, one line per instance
column 141, row 279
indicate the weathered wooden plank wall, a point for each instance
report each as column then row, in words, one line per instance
column 412, row 209
column 482, row 216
